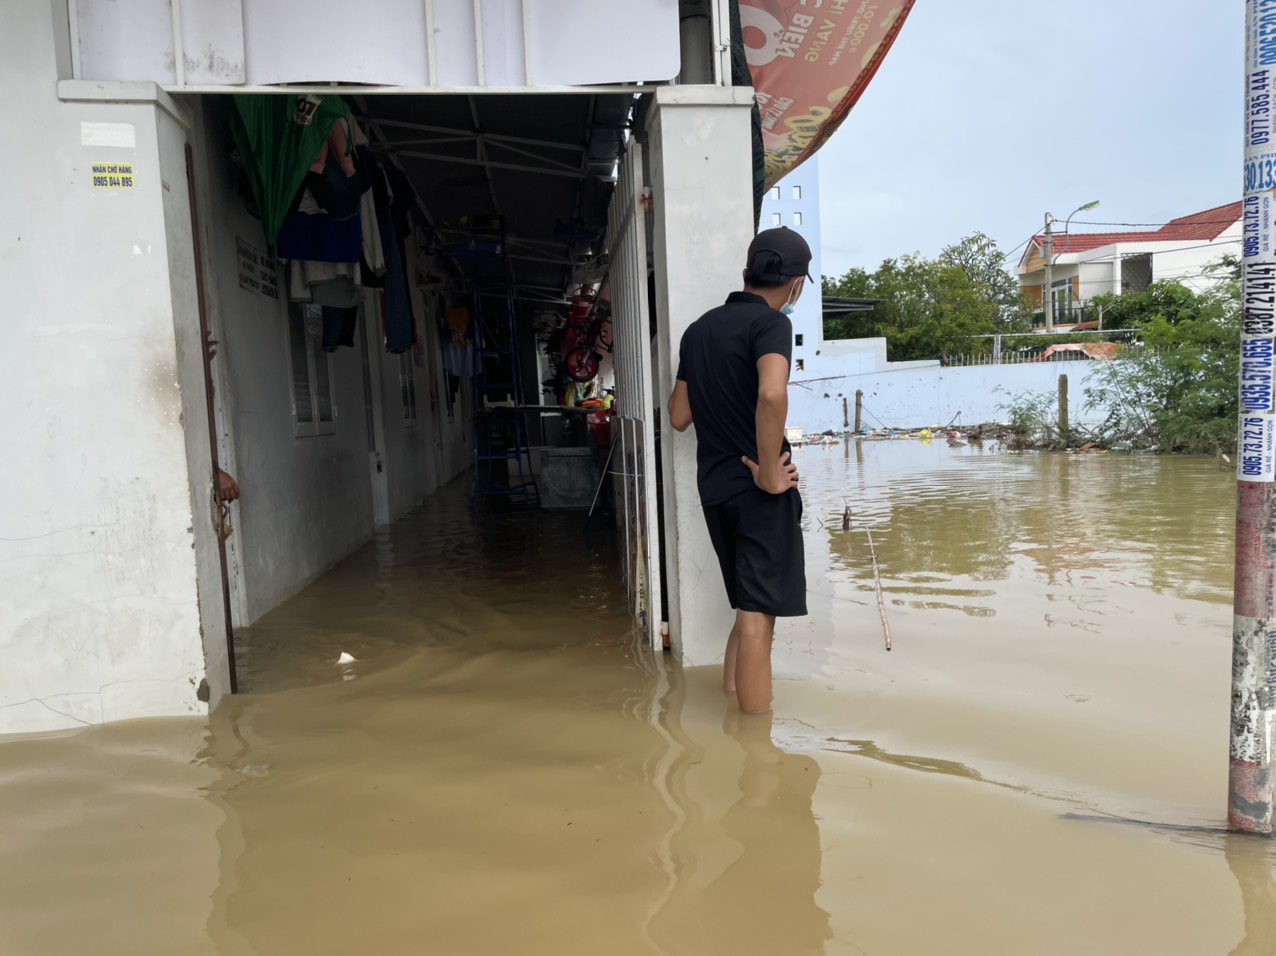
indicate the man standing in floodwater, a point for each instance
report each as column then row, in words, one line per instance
column 733, row 380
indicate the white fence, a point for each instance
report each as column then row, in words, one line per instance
column 1013, row 358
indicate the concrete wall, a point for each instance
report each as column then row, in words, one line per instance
column 701, row 182
column 99, row 617
column 425, row 454
column 308, row 501
column 917, row 394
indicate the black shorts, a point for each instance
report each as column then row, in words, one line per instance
column 758, row 538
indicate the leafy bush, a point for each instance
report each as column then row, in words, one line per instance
column 1032, row 419
column 1176, row 390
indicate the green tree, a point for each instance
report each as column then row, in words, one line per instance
column 1176, row 388
column 985, row 266
column 931, row 308
column 1168, row 302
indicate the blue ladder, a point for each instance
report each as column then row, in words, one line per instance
column 500, row 433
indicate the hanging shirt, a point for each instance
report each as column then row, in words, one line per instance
column 278, row 137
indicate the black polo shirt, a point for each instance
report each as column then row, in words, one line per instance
column 719, row 362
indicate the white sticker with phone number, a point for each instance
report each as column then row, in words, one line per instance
column 1256, row 447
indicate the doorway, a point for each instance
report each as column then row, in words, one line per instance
column 376, row 426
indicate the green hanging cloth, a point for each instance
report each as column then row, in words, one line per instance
column 278, row 137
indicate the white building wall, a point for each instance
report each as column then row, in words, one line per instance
column 99, row 617
column 1191, row 266
column 108, row 549
column 702, row 184
column 305, row 501
column 795, row 202
column 424, row 454
column 265, row 42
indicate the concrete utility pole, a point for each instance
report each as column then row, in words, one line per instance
column 1047, row 288
column 1249, row 797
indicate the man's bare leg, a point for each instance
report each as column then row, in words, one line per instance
column 753, row 633
column 729, row 663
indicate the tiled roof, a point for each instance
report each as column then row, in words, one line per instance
column 1099, row 351
column 1203, row 226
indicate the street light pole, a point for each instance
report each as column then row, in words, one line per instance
column 1047, row 290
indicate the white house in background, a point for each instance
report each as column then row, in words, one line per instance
column 1092, row 264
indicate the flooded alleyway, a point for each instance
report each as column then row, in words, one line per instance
column 502, row 769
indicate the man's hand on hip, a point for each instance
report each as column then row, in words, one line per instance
column 778, row 478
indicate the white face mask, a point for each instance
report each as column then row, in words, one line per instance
column 787, row 308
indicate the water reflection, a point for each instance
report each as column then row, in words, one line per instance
column 1250, row 860
column 491, row 808
column 969, row 515
column 509, row 772
column 743, row 848
column 779, row 861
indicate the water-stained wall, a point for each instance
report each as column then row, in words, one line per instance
column 99, row 616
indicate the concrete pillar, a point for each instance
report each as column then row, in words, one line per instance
column 100, row 606
column 702, row 189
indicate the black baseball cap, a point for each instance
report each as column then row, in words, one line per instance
column 776, row 255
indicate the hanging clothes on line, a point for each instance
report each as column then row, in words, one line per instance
column 457, row 343
column 332, row 284
column 332, row 179
column 323, row 244
column 338, row 328
column 279, row 139
column 393, row 197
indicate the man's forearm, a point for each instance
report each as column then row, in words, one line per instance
column 772, row 411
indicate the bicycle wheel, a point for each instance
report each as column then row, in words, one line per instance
column 581, row 364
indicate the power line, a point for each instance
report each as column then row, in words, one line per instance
column 1172, row 222
column 1021, row 245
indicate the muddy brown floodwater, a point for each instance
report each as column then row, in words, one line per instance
column 502, row 771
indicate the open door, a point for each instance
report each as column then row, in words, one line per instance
column 204, row 336
column 634, row 459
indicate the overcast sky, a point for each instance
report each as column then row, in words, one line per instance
column 987, row 114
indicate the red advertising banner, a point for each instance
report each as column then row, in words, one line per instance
column 811, row 60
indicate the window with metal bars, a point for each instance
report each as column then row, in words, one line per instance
column 314, row 409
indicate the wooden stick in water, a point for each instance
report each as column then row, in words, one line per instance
column 877, row 579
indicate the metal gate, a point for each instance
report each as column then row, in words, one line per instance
column 633, row 427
